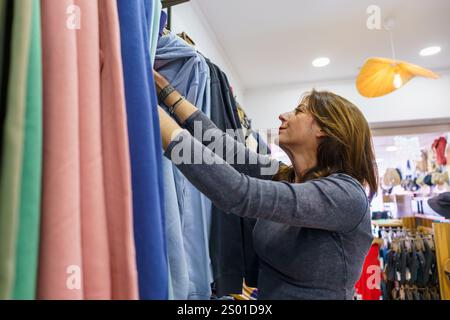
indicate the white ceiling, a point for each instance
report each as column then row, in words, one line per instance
column 274, row 42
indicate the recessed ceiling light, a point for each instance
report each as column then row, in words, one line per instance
column 321, row 62
column 430, row 51
column 391, row 149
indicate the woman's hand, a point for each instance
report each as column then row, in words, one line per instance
column 160, row 81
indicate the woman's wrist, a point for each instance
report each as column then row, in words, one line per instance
column 160, row 81
column 172, row 98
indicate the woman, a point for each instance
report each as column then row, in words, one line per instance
column 313, row 230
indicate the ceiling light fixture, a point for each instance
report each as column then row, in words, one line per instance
column 381, row 76
column 398, row 81
column 321, row 62
column 430, row 51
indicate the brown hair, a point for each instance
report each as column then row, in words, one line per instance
column 347, row 145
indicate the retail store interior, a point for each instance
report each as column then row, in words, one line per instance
column 94, row 206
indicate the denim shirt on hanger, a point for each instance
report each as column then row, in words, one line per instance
column 188, row 246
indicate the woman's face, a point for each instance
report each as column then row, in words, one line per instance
column 299, row 130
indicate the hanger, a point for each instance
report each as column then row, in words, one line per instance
column 183, row 35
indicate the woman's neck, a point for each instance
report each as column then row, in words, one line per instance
column 302, row 163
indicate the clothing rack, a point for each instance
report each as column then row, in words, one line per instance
column 168, row 4
column 428, row 225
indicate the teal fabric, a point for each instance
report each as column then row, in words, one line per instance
column 30, row 195
column 154, row 31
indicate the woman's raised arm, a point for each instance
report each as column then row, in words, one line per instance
column 222, row 144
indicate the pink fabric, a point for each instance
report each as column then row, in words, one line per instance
column 87, row 201
column 60, row 246
column 116, row 157
column 94, row 235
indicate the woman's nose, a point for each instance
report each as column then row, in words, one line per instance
column 284, row 117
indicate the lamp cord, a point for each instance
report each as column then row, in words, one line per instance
column 391, row 34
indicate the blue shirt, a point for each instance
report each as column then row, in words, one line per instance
column 145, row 148
column 188, row 248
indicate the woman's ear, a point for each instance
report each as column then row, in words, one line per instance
column 320, row 133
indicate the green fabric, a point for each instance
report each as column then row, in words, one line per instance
column 13, row 136
column 30, row 194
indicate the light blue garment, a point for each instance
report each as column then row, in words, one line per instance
column 178, row 270
column 157, row 7
column 188, row 72
column 185, row 69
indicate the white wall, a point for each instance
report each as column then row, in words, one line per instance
column 420, row 99
column 189, row 18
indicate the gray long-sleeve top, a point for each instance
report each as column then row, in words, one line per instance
column 312, row 237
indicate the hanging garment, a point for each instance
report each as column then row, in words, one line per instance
column 439, row 146
column 30, row 195
column 116, row 157
column 232, row 254
column 368, row 286
column 188, row 72
column 60, row 260
column 145, row 149
column 247, row 132
column 178, row 265
column 13, row 139
column 94, row 233
column 162, row 23
column 251, row 143
column 157, row 9
column 185, row 69
column 6, row 15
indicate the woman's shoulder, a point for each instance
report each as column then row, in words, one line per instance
column 344, row 182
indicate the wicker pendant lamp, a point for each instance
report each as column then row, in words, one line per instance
column 381, row 76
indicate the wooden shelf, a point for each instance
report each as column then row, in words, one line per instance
column 393, row 223
column 442, row 241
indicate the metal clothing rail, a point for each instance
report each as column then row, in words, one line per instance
column 168, row 4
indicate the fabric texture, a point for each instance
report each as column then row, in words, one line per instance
column 6, row 15
column 155, row 28
column 188, row 72
column 30, row 195
column 176, row 253
column 306, row 234
column 13, row 145
column 162, row 23
column 60, row 259
column 116, row 158
column 145, row 149
column 94, row 234
column 232, row 255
